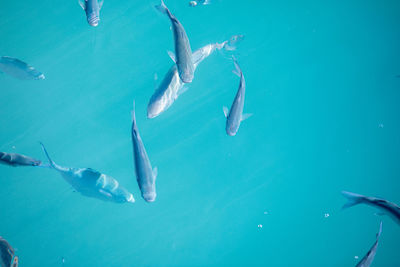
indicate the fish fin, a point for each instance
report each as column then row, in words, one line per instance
column 237, row 69
column 352, row 199
column 380, row 231
column 162, row 7
column 231, row 44
column 107, row 194
column 172, row 56
column 246, row 116
column 133, row 113
column 155, row 172
column 379, row 214
column 51, row 162
column 101, row 4
column 226, row 111
column 82, row 3
column 182, row 90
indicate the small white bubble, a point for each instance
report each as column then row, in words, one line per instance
column 265, row 212
column 326, row 215
column 259, row 226
column 356, row 257
column 13, row 147
column 381, row 125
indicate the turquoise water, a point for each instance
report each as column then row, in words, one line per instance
column 321, row 83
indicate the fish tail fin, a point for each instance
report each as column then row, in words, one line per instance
column 133, row 113
column 231, row 44
column 162, row 7
column 237, row 69
column 352, row 199
column 380, row 231
column 51, row 164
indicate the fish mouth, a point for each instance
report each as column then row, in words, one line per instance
column 230, row 133
column 186, row 76
column 149, row 197
column 154, row 110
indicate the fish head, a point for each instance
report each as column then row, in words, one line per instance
column 149, row 196
column 231, row 129
column 186, row 75
column 154, row 109
column 93, row 19
column 40, row 77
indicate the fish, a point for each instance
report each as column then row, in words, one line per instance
column 369, row 257
column 183, row 52
column 235, row 115
column 172, row 87
column 7, row 254
column 383, row 205
column 92, row 10
column 19, row 69
column 14, row 159
column 145, row 175
column 91, row 183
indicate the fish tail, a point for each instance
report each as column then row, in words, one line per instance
column 380, row 231
column 231, row 44
column 51, row 164
column 133, row 113
column 162, row 8
column 352, row 199
column 237, row 69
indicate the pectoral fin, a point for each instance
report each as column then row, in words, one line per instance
column 155, row 172
column 246, row 116
column 226, row 111
column 82, row 3
column 172, row 56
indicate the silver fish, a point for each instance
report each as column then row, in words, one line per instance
column 145, row 175
column 92, row 183
column 172, row 87
column 19, row 69
column 385, row 206
column 235, row 115
column 183, row 52
column 369, row 257
column 7, row 254
column 92, row 10
column 14, row 160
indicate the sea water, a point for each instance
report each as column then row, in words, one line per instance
column 321, row 83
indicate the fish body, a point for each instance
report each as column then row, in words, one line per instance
column 235, row 115
column 145, row 175
column 369, row 257
column 383, row 205
column 19, row 69
column 7, row 254
column 183, row 52
column 15, row 160
column 172, row 87
column 92, row 183
column 92, row 10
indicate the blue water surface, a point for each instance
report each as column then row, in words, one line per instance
column 321, row 83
